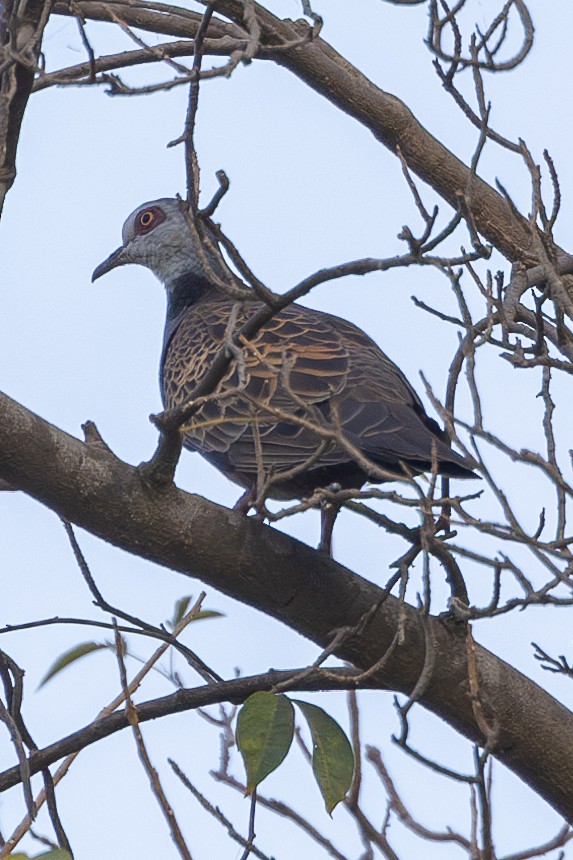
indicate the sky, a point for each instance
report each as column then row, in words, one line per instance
column 309, row 188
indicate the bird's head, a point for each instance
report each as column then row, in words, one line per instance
column 160, row 235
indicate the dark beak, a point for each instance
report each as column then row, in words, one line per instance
column 115, row 259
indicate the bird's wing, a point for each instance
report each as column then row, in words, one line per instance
column 303, row 366
column 296, row 361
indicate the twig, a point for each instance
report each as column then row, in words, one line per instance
column 151, row 772
column 216, row 813
column 159, row 633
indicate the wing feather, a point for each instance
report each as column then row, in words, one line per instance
column 302, row 365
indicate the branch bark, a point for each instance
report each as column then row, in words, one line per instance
column 236, row 691
column 21, row 27
column 296, row 585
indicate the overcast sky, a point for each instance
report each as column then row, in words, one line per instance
column 309, row 188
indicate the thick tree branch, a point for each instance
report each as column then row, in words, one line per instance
column 299, row 586
column 21, row 28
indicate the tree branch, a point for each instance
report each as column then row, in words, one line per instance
column 21, row 29
column 314, row 61
column 291, row 582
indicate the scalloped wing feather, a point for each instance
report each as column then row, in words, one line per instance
column 303, row 366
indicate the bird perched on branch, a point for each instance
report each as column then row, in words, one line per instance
column 307, row 402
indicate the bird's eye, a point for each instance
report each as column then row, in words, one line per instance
column 149, row 218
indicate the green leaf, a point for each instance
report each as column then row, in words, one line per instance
column 181, row 608
column 265, row 728
column 332, row 756
column 208, row 613
column 69, row 657
column 54, row 854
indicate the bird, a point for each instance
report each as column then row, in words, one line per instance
column 311, row 402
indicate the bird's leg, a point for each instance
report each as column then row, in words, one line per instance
column 329, row 510
column 328, row 514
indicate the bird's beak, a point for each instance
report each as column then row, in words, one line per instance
column 115, row 259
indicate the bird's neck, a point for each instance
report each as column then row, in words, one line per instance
column 185, row 291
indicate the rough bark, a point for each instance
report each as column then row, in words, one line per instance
column 295, row 584
column 22, row 23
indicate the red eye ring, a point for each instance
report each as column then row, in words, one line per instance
column 148, row 218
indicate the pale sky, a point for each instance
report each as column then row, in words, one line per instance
column 309, row 188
